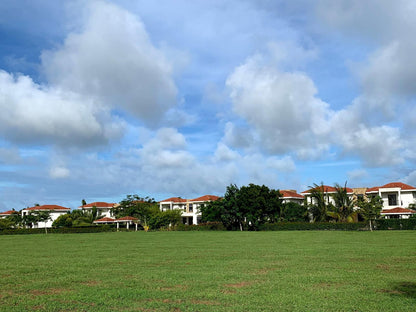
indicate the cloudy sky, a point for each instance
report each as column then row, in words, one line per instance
column 100, row 99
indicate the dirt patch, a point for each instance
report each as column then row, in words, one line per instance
column 264, row 271
column 91, row 283
column 391, row 291
column 238, row 285
column 328, row 285
column 383, row 267
column 52, row 291
column 229, row 291
column 175, row 287
column 38, row 307
column 206, row 302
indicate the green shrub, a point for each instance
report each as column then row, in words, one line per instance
column 84, row 229
column 302, row 226
column 208, row 226
column 396, row 224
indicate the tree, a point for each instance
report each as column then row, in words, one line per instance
column 64, row 220
column 319, row 208
column 370, row 209
column 244, row 208
column 43, row 216
column 294, row 212
column 343, row 208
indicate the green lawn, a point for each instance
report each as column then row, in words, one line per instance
column 209, row 271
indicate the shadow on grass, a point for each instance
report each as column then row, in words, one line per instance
column 403, row 289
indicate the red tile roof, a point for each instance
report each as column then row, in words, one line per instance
column 47, row 207
column 400, row 185
column 326, row 189
column 105, row 219
column 127, row 218
column 205, row 198
column 8, row 213
column 175, row 200
column 290, row 194
column 397, row 210
column 99, row 205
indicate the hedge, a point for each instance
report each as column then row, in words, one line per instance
column 302, row 226
column 396, row 224
column 63, row 230
column 209, row 226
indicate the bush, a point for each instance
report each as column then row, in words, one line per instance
column 395, row 224
column 85, row 229
column 208, row 226
column 302, row 226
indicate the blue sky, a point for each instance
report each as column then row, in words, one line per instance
column 101, row 99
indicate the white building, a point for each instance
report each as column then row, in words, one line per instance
column 54, row 212
column 103, row 209
column 189, row 207
column 6, row 214
column 328, row 192
column 291, row 196
column 396, row 198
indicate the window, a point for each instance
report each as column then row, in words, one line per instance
column 392, row 199
column 191, row 208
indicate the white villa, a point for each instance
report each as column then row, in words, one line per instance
column 54, row 210
column 291, row 196
column 327, row 190
column 103, row 209
column 190, row 207
column 397, row 197
column 7, row 213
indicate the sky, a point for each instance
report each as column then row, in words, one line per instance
column 100, row 99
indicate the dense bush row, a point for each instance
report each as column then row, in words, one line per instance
column 302, row 226
column 396, row 224
column 84, row 229
column 208, row 226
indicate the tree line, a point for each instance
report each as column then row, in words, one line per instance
column 248, row 207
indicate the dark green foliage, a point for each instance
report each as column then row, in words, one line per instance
column 370, row 209
column 244, row 208
column 5, row 224
column 319, row 209
column 302, row 226
column 208, row 226
column 343, row 208
column 63, row 230
column 63, row 221
column 294, row 212
column 395, row 224
column 147, row 211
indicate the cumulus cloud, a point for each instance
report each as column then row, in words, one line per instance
column 35, row 113
column 59, row 172
column 113, row 60
column 281, row 106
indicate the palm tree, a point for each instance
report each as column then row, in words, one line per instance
column 343, row 208
column 319, row 208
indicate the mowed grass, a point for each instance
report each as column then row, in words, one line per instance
column 209, row 271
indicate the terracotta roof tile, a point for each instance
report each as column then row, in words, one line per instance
column 99, row 205
column 397, row 210
column 127, row 218
column 8, row 213
column 205, row 198
column 327, row 189
column 47, row 207
column 290, row 194
column 105, row 219
column 175, row 200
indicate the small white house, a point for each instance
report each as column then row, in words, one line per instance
column 189, row 207
column 291, row 196
column 54, row 210
column 397, row 197
column 103, row 209
column 328, row 192
column 6, row 214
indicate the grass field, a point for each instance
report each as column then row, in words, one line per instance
column 209, row 271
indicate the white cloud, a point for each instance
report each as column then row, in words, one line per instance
column 34, row 113
column 59, row 172
column 112, row 59
column 281, row 106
